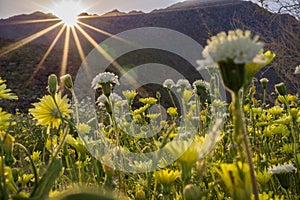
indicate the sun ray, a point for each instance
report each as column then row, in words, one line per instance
column 64, row 61
column 80, row 51
column 22, row 42
column 46, row 54
column 104, row 32
column 114, row 63
column 33, row 21
column 96, row 29
column 89, row 17
column 78, row 45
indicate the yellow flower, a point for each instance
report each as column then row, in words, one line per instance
column 276, row 110
column 190, row 156
column 263, row 177
column 141, row 110
column 48, row 114
column 35, row 156
column 149, row 100
column 83, row 128
column 6, row 93
column 129, row 94
column 4, row 120
column 260, row 61
column 166, row 176
column 8, row 143
column 236, row 177
column 172, row 111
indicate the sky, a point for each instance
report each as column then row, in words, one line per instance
column 10, row 8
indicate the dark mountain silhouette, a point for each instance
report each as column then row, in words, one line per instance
column 195, row 18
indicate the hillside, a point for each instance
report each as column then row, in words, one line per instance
column 194, row 18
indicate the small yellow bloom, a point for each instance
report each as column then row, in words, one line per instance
column 284, row 120
column 25, row 178
column 276, row 110
column 5, row 93
column 129, row 94
column 172, row 111
column 246, row 108
column 190, row 156
column 260, row 61
column 4, row 119
column 166, row 176
column 35, row 156
column 48, row 114
column 84, row 128
column 141, row 110
column 236, row 177
column 149, row 100
column 263, row 177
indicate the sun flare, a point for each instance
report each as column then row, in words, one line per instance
column 68, row 11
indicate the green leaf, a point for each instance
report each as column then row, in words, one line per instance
column 45, row 184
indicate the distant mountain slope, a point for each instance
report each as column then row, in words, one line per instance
column 193, row 18
column 193, row 4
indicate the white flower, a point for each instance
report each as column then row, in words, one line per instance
column 168, row 83
column 236, row 46
column 200, row 85
column 140, row 166
column 281, row 169
column 84, row 128
column 105, row 77
column 102, row 99
column 114, row 98
column 297, row 70
column 183, row 84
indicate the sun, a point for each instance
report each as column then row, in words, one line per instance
column 68, row 11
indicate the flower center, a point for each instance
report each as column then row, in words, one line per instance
column 55, row 113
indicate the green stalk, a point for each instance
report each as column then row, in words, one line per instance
column 240, row 136
column 76, row 107
column 32, row 165
column 171, row 97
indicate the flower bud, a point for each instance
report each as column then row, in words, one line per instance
column 264, row 82
column 67, row 80
column 234, row 75
column 191, row 192
column 280, row 89
column 52, row 84
column 108, row 170
column 297, row 70
column 140, row 195
column 9, row 143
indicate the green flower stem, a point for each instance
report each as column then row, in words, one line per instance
column 68, row 167
column 76, row 107
column 198, row 113
column 121, row 174
column 264, row 97
column 171, row 97
column 292, row 126
column 186, row 173
column 32, row 165
column 240, row 136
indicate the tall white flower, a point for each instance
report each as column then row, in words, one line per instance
column 236, row 46
column 297, row 70
column 104, row 78
column 281, row 169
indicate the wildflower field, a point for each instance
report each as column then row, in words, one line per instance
column 214, row 148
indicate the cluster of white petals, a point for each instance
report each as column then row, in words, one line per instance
column 297, row 70
column 168, row 83
column 237, row 46
column 183, row 83
column 105, row 77
column 281, row 169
